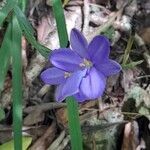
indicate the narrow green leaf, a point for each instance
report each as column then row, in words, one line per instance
column 44, row 51
column 132, row 64
column 128, row 49
column 6, row 10
column 22, row 4
column 17, row 83
column 72, row 106
column 5, row 56
column 23, row 20
column 61, row 24
column 74, row 124
column 29, row 32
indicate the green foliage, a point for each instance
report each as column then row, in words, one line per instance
column 18, row 25
column 29, row 32
column 109, row 32
column 9, row 145
column 61, row 25
column 132, row 64
column 5, row 56
column 6, row 10
column 16, row 82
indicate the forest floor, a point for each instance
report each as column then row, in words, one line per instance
column 120, row 119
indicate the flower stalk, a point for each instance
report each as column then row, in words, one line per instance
column 72, row 106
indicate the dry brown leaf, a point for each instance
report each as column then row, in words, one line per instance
column 130, row 139
column 43, row 29
column 88, row 105
column 57, row 142
column 44, row 141
column 61, row 115
column 44, row 107
column 34, row 117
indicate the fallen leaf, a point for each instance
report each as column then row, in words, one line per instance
column 34, row 117
column 9, row 145
column 44, row 141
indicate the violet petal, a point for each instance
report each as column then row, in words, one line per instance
column 93, row 85
column 108, row 67
column 53, row 76
column 99, row 49
column 78, row 43
column 71, row 86
column 65, row 59
column 58, row 93
column 80, row 97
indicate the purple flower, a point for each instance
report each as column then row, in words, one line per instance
column 81, row 71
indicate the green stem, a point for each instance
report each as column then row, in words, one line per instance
column 74, row 124
column 72, row 106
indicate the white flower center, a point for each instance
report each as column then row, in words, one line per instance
column 67, row 74
column 86, row 63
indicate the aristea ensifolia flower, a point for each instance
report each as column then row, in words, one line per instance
column 81, row 71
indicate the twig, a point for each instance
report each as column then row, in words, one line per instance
column 90, row 114
column 141, row 77
column 47, row 138
column 86, row 17
column 64, row 143
column 44, row 107
column 43, row 90
column 57, row 142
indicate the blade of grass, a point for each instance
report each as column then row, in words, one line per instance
column 17, row 83
column 6, row 10
column 61, row 24
column 128, row 49
column 23, row 20
column 22, row 4
column 72, row 106
column 29, row 32
column 5, row 56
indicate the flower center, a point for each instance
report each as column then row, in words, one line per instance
column 86, row 63
column 67, row 74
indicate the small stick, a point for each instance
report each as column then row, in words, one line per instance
column 57, row 142
column 86, row 17
column 44, row 107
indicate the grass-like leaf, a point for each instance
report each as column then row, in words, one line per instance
column 128, row 49
column 24, row 23
column 16, row 83
column 6, row 10
column 61, row 25
column 132, row 64
column 29, row 32
column 5, row 56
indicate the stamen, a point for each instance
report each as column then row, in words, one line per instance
column 67, row 74
column 86, row 63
